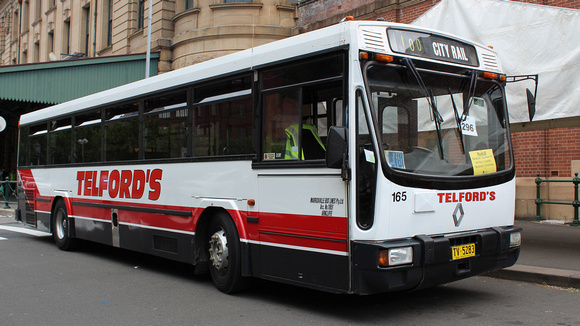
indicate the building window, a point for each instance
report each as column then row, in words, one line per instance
column 25, row 16
column 87, row 29
column 15, row 27
column 50, row 42
column 110, row 22
column 188, row 4
column 4, row 29
column 66, row 37
column 36, row 52
column 38, row 9
column 141, row 14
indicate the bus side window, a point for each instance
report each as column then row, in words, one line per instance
column 122, row 132
column 60, row 148
column 33, row 145
column 297, row 130
column 165, row 126
column 280, row 115
column 301, row 100
column 222, row 118
column 87, row 137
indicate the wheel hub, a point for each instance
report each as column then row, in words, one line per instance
column 60, row 225
column 218, row 251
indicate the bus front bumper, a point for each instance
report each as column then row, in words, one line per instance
column 433, row 261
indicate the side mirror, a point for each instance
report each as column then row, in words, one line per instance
column 531, row 96
column 531, row 104
column 336, row 147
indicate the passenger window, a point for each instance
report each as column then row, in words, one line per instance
column 33, row 145
column 87, row 137
column 222, row 118
column 281, row 122
column 122, row 132
column 296, row 121
column 60, row 141
column 165, row 133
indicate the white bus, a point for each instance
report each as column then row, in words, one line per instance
column 360, row 158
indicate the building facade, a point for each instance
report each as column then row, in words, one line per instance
column 38, row 37
column 183, row 31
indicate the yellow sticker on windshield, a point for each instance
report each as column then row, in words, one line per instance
column 483, row 161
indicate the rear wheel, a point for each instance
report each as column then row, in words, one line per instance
column 61, row 228
column 225, row 264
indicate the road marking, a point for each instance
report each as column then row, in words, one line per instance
column 25, row 231
column 3, row 238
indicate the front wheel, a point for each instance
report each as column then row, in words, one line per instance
column 61, row 228
column 225, row 255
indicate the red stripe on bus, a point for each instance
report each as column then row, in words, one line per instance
column 331, row 224
column 300, row 240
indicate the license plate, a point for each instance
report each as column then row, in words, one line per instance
column 463, row 251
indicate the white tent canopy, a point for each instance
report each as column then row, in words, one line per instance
column 529, row 39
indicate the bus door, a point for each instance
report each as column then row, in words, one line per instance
column 303, row 228
column 303, row 225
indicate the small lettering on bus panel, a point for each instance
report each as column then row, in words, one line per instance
column 120, row 184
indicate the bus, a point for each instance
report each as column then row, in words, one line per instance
column 361, row 158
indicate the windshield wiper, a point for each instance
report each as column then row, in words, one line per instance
column 458, row 120
column 470, row 94
column 430, row 100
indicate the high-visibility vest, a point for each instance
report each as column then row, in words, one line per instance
column 292, row 137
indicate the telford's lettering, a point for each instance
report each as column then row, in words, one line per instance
column 122, row 184
column 469, row 196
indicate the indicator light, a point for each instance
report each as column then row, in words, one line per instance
column 489, row 75
column 385, row 58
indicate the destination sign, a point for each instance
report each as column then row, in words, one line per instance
column 432, row 46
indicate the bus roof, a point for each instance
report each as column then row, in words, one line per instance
column 342, row 34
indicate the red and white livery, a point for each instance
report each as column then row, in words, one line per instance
column 360, row 158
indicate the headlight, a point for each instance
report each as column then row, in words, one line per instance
column 395, row 256
column 515, row 239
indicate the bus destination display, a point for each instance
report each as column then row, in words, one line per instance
column 431, row 46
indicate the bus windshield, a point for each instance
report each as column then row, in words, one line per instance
column 441, row 124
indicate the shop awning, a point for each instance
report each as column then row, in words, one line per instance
column 60, row 81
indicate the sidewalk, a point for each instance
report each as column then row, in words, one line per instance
column 7, row 216
column 550, row 253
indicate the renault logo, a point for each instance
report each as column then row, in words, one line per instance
column 458, row 214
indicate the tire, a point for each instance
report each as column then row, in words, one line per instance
column 224, row 249
column 61, row 228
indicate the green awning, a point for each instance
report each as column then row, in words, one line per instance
column 60, row 81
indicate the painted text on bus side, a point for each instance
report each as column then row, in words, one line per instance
column 120, row 184
column 455, row 197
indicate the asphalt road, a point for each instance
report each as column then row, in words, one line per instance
column 97, row 285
